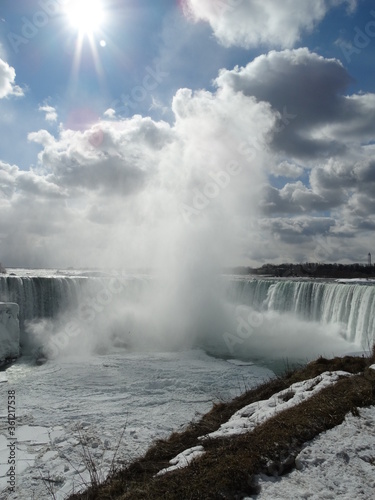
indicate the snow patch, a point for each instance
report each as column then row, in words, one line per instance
column 360, row 281
column 246, row 419
column 254, row 414
column 183, row 459
column 9, row 331
column 339, row 463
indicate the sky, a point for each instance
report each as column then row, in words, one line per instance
column 139, row 132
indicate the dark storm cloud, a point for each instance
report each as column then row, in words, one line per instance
column 309, row 93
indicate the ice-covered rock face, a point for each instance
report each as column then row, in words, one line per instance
column 9, row 331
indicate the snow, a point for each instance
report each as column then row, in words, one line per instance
column 9, row 331
column 246, row 419
column 372, row 367
column 63, row 403
column 183, row 459
column 53, row 273
column 360, row 281
column 339, row 463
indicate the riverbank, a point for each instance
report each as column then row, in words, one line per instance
column 233, row 467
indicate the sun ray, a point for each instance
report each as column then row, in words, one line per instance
column 85, row 19
column 96, row 58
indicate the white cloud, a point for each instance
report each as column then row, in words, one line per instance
column 293, row 198
column 110, row 113
column 7, row 81
column 158, row 105
column 120, row 191
column 287, row 169
column 13, row 181
column 41, row 137
column 133, row 192
column 50, row 113
column 271, row 23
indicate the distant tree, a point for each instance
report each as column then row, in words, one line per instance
column 2, row 269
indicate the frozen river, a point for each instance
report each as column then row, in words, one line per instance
column 146, row 395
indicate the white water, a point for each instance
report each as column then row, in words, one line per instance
column 293, row 318
column 350, row 305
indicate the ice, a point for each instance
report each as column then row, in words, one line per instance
column 9, row 331
column 23, row 457
column 36, row 435
column 240, row 362
column 70, row 407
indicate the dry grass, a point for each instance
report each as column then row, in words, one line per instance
column 229, row 466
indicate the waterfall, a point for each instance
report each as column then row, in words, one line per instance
column 47, row 297
column 40, row 297
column 351, row 305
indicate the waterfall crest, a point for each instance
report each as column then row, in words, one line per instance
column 352, row 305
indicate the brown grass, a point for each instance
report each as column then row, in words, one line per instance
column 229, row 466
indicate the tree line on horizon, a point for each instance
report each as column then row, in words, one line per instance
column 311, row 270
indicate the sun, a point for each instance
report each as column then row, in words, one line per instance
column 86, row 16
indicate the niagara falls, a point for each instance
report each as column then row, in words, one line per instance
column 187, row 274
column 269, row 318
column 110, row 355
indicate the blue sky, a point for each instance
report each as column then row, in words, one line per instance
column 304, row 69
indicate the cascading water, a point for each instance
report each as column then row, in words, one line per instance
column 63, row 298
column 41, row 297
column 351, row 305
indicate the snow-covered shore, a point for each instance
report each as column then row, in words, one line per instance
column 337, row 463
